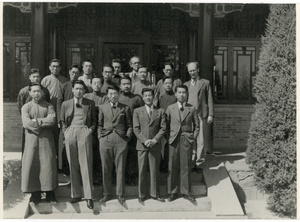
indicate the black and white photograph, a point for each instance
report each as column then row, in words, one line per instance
column 149, row 110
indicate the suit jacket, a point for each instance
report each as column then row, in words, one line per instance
column 64, row 94
column 121, row 122
column 67, row 113
column 145, row 128
column 188, row 125
column 205, row 98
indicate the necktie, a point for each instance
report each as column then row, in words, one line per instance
column 181, row 108
column 78, row 104
column 150, row 114
column 114, row 107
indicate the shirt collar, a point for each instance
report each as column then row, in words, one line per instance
column 79, row 100
column 111, row 104
column 181, row 105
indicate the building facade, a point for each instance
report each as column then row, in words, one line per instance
column 224, row 38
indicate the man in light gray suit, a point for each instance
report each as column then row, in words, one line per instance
column 149, row 126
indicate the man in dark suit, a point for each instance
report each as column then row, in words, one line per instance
column 65, row 94
column 149, row 126
column 78, row 121
column 114, row 132
column 200, row 96
column 183, row 129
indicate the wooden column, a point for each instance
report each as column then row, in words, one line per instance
column 39, row 37
column 206, row 37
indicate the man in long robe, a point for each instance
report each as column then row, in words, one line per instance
column 53, row 83
column 39, row 173
column 24, row 97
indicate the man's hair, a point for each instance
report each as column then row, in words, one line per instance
column 97, row 77
column 34, row 70
column 107, row 65
column 34, row 84
column 116, row 61
column 79, row 82
column 55, row 60
column 76, row 66
column 147, row 90
column 142, row 66
column 127, row 78
column 196, row 63
column 181, row 86
column 87, row 60
column 113, row 87
column 134, row 57
column 167, row 77
column 168, row 63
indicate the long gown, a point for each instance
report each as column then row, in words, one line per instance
column 39, row 171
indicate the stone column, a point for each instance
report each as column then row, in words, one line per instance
column 39, row 37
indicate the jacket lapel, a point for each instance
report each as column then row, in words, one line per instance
column 119, row 109
column 145, row 114
column 176, row 112
column 108, row 111
column 200, row 84
column 185, row 113
column 154, row 115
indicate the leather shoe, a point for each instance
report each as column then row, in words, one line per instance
column 172, row 197
column 121, row 199
column 105, row 198
column 188, row 197
column 158, row 198
column 141, row 199
column 90, row 203
column 75, row 200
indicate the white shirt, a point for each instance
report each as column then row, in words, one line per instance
column 149, row 109
column 181, row 105
column 116, row 104
column 79, row 100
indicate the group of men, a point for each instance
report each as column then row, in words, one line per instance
column 117, row 120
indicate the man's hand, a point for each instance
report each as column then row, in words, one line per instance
column 147, row 143
column 210, row 119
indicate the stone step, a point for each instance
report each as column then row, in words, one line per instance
column 198, row 188
column 202, row 204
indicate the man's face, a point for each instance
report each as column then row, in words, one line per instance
column 74, row 74
column 96, row 84
column 107, row 73
column 148, row 98
column 117, row 68
column 78, row 90
column 181, row 95
column 168, row 84
column 125, row 85
column 87, row 68
column 36, row 93
column 35, row 77
column 142, row 73
column 54, row 68
column 134, row 64
column 113, row 95
column 193, row 70
column 168, row 70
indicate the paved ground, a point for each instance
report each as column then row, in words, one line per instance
column 255, row 209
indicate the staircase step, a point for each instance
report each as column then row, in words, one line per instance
column 198, row 188
column 202, row 204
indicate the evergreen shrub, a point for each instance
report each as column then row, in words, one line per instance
column 271, row 151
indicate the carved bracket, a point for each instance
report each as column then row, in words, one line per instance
column 52, row 7
column 220, row 9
